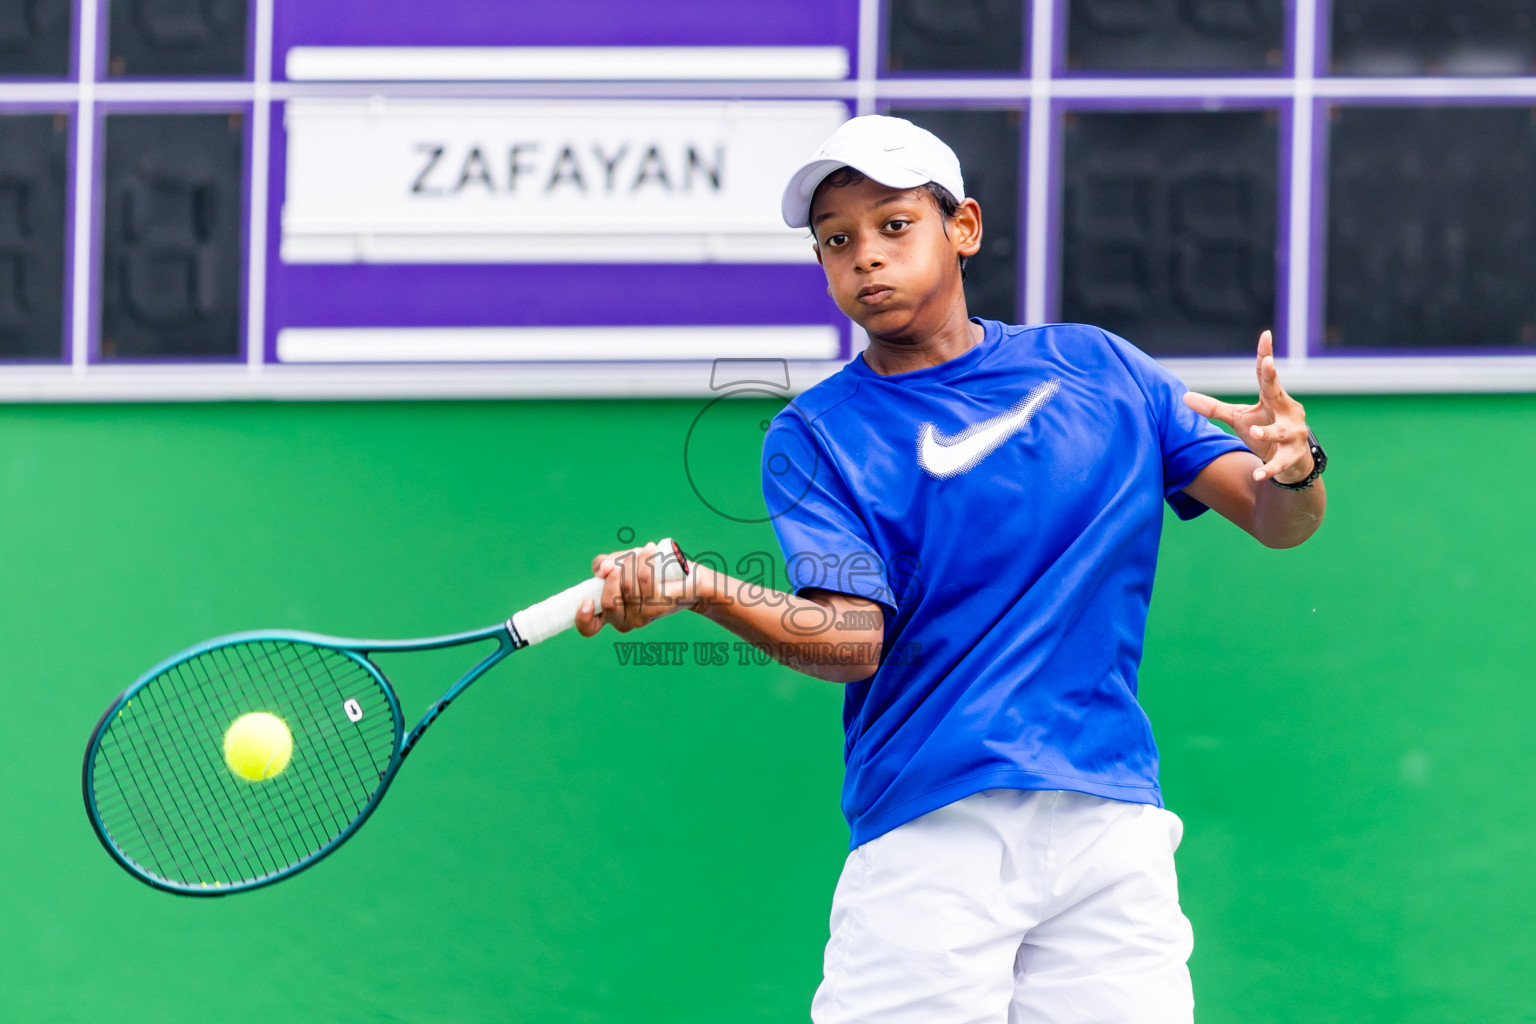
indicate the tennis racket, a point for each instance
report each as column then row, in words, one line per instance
column 170, row 810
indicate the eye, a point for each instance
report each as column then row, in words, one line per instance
column 897, row 224
column 835, row 240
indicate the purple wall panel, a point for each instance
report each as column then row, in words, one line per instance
column 555, row 295
column 526, row 295
column 364, row 295
column 570, row 23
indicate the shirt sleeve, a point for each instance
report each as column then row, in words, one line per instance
column 1189, row 441
column 825, row 542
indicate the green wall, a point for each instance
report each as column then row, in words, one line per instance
column 1346, row 727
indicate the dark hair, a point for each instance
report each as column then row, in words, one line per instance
column 947, row 204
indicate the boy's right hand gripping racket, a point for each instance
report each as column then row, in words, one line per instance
column 175, row 808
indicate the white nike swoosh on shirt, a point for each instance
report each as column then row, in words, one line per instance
column 945, row 457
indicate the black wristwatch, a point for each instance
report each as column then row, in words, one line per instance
column 1319, row 463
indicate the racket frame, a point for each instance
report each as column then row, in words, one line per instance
column 360, row 651
column 532, row 625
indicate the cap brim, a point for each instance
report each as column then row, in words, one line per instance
column 796, row 204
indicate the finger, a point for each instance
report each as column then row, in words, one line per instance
column 1211, row 408
column 1282, row 460
column 588, row 618
column 637, row 593
column 612, row 601
column 619, row 563
column 604, row 564
column 645, row 569
column 1269, row 382
column 1272, row 433
column 656, row 596
column 1266, row 348
column 634, row 577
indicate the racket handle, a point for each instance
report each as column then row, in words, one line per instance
column 553, row 615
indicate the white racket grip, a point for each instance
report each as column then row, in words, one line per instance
column 556, row 614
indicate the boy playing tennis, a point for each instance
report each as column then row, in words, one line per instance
column 990, row 497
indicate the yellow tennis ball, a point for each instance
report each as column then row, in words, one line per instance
column 257, row 746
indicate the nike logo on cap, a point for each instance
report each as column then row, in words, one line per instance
column 945, row 457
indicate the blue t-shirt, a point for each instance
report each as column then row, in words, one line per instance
column 1005, row 509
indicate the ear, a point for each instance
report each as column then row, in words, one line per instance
column 817, row 250
column 967, row 223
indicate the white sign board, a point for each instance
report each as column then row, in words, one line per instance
column 513, row 181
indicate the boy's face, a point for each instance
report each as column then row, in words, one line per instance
column 892, row 259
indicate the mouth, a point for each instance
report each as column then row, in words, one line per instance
column 874, row 294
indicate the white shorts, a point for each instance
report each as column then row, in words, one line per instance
column 1012, row 907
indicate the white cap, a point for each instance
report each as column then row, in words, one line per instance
column 890, row 150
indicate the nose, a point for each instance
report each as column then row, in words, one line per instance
column 869, row 254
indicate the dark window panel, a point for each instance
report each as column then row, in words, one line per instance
column 987, row 143
column 1169, row 228
column 1175, row 35
column 172, row 245
column 956, row 35
column 1435, row 37
column 33, row 160
column 35, row 38
column 1431, row 227
column 176, row 38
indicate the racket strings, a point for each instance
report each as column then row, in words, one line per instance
column 172, row 814
column 148, row 750
column 266, row 841
column 271, row 840
column 276, row 843
column 311, row 826
column 151, row 765
column 146, row 801
column 169, row 803
column 337, row 789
